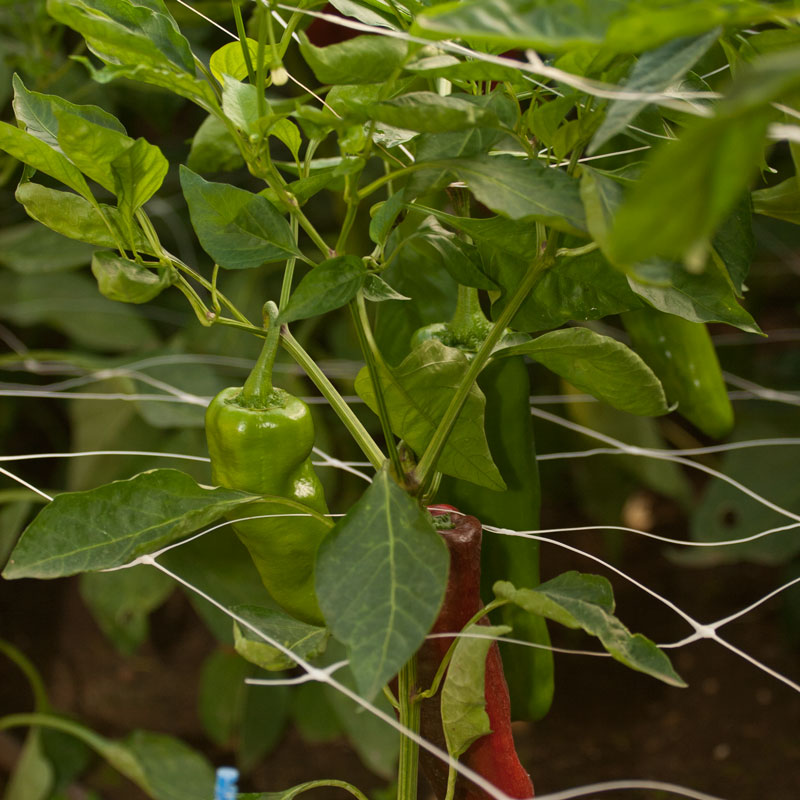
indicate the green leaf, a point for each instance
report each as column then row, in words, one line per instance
column 32, row 777
column 417, row 393
column 363, row 59
column 286, row 131
column 464, row 717
column 127, row 281
column 91, row 147
column 113, row 524
column 428, row 112
column 34, row 152
column 586, row 601
column 238, row 229
column 704, row 297
column 654, row 71
column 735, row 243
column 31, row 248
column 69, row 302
column 523, row 189
column 576, row 288
column 307, row 641
column 213, row 148
column 40, row 113
column 138, row 173
column 127, row 32
column 781, row 201
column 504, row 235
column 381, row 574
column 448, row 66
column 330, row 285
column 174, row 81
column 121, row 602
column 221, row 695
column 438, row 248
column 724, row 513
column 171, row 770
column 385, row 216
column 70, row 215
column 229, row 60
column 599, row 365
column 219, row 566
column 240, row 105
column 376, row 290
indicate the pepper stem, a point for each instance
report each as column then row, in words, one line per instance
column 469, row 325
column 258, row 391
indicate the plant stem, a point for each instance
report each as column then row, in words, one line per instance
column 40, row 700
column 258, row 391
column 240, row 29
column 367, row 190
column 97, row 743
column 427, row 464
column 373, row 359
column 288, row 272
column 353, row 424
column 468, row 319
column 409, row 715
column 260, row 60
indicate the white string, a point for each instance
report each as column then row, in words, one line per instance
column 25, row 483
column 612, row 786
column 665, row 539
column 762, row 392
column 81, row 454
column 664, row 456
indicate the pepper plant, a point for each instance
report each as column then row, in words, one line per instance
column 504, row 175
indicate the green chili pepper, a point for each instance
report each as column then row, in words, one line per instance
column 681, row 354
column 260, row 440
column 509, row 432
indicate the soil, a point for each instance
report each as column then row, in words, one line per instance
column 734, row 733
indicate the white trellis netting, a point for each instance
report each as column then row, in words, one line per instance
column 699, row 630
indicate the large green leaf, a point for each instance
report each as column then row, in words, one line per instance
column 381, row 574
column 138, row 173
column 127, row 281
column 655, row 71
column 428, row 112
column 464, row 717
column 555, row 25
column 522, row 189
column 219, row 566
column 587, row 601
column 32, row 151
column 578, row 288
column 213, row 148
column 127, row 32
column 328, row 286
column 70, row 303
column 238, row 229
column 307, row 641
column 418, row 392
column 113, row 524
column 781, row 201
column 70, row 215
column 439, row 248
column 39, row 113
column 364, row 59
column 599, row 365
column 30, row 247
column 121, row 602
column 229, row 60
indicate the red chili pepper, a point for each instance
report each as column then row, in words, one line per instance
column 493, row 756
